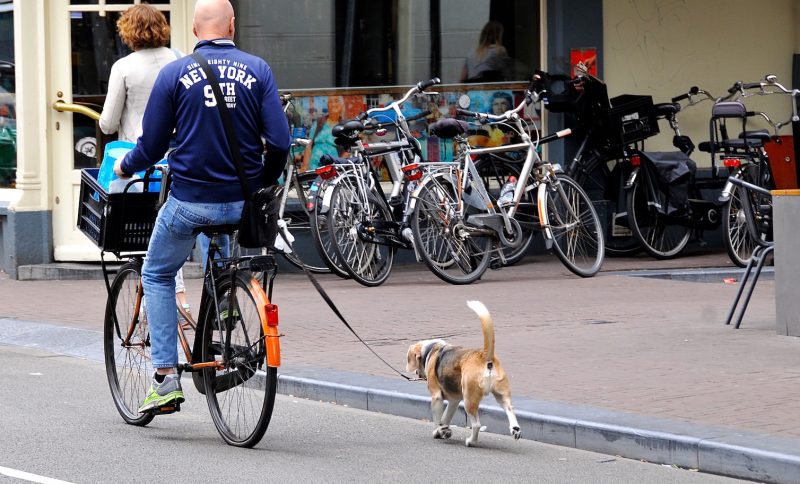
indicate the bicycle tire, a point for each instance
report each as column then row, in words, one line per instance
column 660, row 239
column 574, row 226
column 736, row 236
column 495, row 172
column 320, row 235
column 369, row 263
column 603, row 182
column 129, row 369
column 298, row 220
column 248, row 382
column 451, row 256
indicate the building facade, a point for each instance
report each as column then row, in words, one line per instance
column 63, row 51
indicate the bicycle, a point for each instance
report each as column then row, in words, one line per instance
column 739, row 241
column 457, row 225
column 364, row 226
column 235, row 353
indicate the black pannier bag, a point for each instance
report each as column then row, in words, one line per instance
column 674, row 172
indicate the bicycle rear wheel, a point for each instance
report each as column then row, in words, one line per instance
column 603, row 182
column 660, row 238
column 298, row 221
column 738, row 240
column 349, row 220
column 320, row 235
column 126, row 344
column 443, row 239
column 240, row 394
column 573, row 223
column 495, row 172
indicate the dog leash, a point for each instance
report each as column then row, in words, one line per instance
column 332, row 305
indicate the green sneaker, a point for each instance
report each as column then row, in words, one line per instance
column 165, row 394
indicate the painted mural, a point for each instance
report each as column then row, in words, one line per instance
column 315, row 116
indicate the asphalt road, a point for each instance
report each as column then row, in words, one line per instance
column 57, row 421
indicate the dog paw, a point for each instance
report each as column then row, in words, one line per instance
column 470, row 442
column 516, row 432
column 442, row 433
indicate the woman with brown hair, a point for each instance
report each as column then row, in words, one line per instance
column 145, row 30
column 490, row 61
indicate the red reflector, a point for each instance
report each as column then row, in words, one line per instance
column 412, row 171
column 731, row 162
column 326, row 172
column 272, row 314
column 381, row 132
column 636, row 160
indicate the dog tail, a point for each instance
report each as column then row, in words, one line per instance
column 488, row 330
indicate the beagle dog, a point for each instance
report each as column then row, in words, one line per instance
column 454, row 373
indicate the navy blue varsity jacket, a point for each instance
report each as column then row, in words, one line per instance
column 183, row 101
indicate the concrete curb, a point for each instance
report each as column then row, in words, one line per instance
column 709, row 449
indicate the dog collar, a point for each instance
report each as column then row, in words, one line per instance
column 427, row 354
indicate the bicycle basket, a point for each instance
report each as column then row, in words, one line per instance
column 116, row 222
column 631, row 118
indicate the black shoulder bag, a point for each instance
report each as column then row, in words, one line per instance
column 259, row 225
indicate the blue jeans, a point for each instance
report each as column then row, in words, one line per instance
column 170, row 244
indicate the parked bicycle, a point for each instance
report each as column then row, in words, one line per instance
column 457, row 225
column 756, row 169
column 364, row 226
column 233, row 351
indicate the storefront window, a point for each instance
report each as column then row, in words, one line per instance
column 95, row 47
column 358, row 43
column 8, row 110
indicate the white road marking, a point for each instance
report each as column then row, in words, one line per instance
column 27, row 476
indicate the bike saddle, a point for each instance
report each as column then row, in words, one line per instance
column 448, row 128
column 325, row 160
column 666, row 109
column 345, row 134
column 759, row 134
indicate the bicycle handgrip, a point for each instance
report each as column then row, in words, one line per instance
column 422, row 85
column 735, row 87
column 680, row 98
column 469, row 114
column 752, row 85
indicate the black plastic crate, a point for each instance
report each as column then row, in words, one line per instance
column 631, row 118
column 116, row 222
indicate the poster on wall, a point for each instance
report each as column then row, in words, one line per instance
column 587, row 55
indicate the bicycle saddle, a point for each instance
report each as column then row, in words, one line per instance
column 345, row 134
column 759, row 134
column 666, row 109
column 448, row 128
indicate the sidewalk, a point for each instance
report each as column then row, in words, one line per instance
column 645, row 363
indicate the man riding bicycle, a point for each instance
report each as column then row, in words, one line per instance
column 205, row 187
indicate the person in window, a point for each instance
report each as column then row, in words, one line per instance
column 490, row 61
column 322, row 141
column 145, row 30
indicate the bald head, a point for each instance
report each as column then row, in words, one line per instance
column 213, row 19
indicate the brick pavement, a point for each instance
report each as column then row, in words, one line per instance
column 645, row 346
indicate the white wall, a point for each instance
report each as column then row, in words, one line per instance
column 663, row 47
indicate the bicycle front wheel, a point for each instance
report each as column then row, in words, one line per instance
column 126, row 344
column 451, row 250
column 661, row 239
column 296, row 215
column 574, row 226
column 351, row 219
column 241, row 390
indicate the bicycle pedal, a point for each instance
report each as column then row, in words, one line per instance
column 495, row 264
column 167, row 409
column 395, row 201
